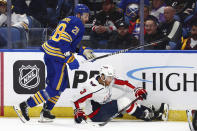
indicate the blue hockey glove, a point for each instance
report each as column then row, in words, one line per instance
column 72, row 62
column 87, row 53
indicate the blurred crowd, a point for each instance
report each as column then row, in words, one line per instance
column 113, row 24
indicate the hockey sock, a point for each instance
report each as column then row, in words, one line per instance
column 37, row 98
column 51, row 102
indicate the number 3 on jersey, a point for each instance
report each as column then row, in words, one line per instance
column 60, row 30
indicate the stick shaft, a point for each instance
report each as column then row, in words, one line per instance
column 122, row 51
column 118, row 113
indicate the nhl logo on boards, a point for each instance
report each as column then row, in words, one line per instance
column 29, row 76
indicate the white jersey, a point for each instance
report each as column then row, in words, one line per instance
column 94, row 94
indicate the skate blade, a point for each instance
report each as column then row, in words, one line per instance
column 45, row 120
column 19, row 114
column 189, row 119
column 164, row 116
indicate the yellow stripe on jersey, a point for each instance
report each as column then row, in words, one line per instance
column 66, row 39
column 52, row 101
column 65, row 36
column 71, row 59
column 52, row 52
column 61, row 77
column 51, row 47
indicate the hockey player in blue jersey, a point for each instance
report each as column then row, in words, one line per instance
column 58, row 54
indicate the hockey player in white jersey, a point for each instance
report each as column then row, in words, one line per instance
column 94, row 100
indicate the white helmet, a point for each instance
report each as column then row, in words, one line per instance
column 107, row 70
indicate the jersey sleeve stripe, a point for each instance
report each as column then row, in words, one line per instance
column 65, row 34
column 51, row 47
column 46, row 45
column 71, row 59
column 122, row 82
column 66, row 39
column 81, row 100
column 52, row 52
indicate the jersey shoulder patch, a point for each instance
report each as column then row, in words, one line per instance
column 93, row 85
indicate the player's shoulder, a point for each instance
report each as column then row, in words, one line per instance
column 93, row 84
column 72, row 20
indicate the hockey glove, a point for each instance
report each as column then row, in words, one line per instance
column 87, row 53
column 72, row 62
column 140, row 92
column 79, row 115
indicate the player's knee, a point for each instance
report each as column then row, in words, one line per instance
column 123, row 102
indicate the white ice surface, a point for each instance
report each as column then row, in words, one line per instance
column 64, row 124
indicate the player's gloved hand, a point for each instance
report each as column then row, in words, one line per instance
column 79, row 115
column 72, row 62
column 87, row 53
column 140, row 92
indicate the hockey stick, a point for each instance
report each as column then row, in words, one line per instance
column 118, row 113
column 122, row 51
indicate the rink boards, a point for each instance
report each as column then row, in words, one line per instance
column 168, row 76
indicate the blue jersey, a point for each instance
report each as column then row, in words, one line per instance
column 64, row 38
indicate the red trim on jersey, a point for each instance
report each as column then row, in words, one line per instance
column 81, row 100
column 2, row 85
column 94, row 113
column 122, row 82
column 130, row 108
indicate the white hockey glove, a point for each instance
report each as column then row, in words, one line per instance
column 88, row 53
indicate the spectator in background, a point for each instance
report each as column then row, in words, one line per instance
column 19, row 23
column 121, row 39
column 17, row 20
column 158, row 9
column 44, row 13
column 153, row 34
column 172, row 29
column 104, row 24
column 124, row 3
column 132, row 12
column 191, row 42
column 147, row 14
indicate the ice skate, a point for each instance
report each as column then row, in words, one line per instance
column 22, row 111
column 162, row 112
column 45, row 115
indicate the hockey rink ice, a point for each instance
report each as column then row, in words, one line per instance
column 65, row 124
